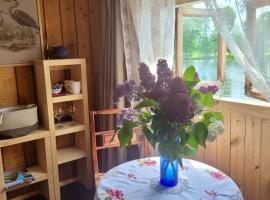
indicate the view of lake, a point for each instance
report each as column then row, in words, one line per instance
column 235, row 77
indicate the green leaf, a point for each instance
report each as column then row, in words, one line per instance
column 189, row 74
column 145, row 117
column 149, row 136
column 216, row 115
column 112, row 139
column 200, row 132
column 192, row 141
column 191, row 84
column 207, row 99
column 125, row 133
column 189, row 151
column 146, row 103
column 180, row 162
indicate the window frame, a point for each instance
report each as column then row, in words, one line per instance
column 222, row 47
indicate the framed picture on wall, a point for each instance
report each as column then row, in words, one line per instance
column 20, row 32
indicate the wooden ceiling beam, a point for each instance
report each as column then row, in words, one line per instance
column 255, row 4
column 184, row 1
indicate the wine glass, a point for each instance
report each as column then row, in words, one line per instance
column 71, row 113
column 58, row 114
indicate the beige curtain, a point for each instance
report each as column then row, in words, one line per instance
column 109, row 71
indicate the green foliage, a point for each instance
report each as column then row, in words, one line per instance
column 149, row 136
column 189, row 73
column 145, row 117
column 207, row 99
column 125, row 133
column 146, row 103
column 200, row 132
column 214, row 115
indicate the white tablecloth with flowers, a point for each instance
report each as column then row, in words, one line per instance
column 139, row 180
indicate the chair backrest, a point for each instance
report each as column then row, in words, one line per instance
column 106, row 137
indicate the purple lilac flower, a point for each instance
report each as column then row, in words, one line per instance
column 177, row 85
column 213, row 88
column 180, row 108
column 146, row 77
column 196, row 76
column 163, row 72
column 128, row 89
column 204, row 89
column 157, row 92
column 126, row 114
column 208, row 88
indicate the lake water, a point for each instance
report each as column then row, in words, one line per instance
column 234, row 81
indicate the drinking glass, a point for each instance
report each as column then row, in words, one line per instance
column 58, row 114
column 71, row 112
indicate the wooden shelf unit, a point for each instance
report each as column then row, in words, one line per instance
column 70, row 154
column 47, row 71
column 42, row 172
column 68, row 129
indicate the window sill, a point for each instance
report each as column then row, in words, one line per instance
column 247, row 102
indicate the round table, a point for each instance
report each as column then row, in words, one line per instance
column 139, row 180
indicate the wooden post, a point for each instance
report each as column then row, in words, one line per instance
column 3, row 195
column 179, row 50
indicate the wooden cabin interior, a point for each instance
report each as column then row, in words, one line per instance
column 64, row 161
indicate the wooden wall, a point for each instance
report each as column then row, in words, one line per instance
column 243, row 151
column 65, row 22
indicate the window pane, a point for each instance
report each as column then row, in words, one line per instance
column 200, row 46
column 234, row 81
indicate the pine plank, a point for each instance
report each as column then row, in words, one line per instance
column 265, row 162
column 67, row 128
column 53, row 22
column 83, row 40
column 211, row 153
column 69, row 154
column 237, row 148
column 35, row 135
column 252, row 158
column 69, row 27
column 223, row 144
column 8, row 87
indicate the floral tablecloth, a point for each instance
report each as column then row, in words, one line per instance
column 139, row 180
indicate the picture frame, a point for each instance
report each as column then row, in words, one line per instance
column 21, row 32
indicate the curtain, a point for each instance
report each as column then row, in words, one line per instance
column 109, row 70
column 245, row 26
column 148, row 30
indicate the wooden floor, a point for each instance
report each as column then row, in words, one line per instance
column 71, row 192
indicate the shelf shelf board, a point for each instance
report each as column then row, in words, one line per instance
column 60, row 62
column 69, row 154
column 67, row 128
column 39, row 175
column 69, row 97
column 116, row 145
column 68, row 181
column 35, row 135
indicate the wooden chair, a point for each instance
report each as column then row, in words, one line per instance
column 106, row 136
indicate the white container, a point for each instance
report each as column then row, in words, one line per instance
column 73, row 87
column 18, row 120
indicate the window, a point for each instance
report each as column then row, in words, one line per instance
column 199, row 44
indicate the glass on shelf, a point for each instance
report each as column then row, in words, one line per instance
column 71, row 113
column 58, row 114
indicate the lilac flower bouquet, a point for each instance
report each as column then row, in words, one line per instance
column 171, row 111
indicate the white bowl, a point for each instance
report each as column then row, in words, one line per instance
column 57, row 90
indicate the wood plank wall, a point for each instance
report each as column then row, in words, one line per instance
column 243, row 151
column 66, row 22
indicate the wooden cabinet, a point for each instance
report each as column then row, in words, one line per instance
column 42, row 171
column 77, row 151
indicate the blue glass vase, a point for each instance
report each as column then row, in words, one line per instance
column 168, row 172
